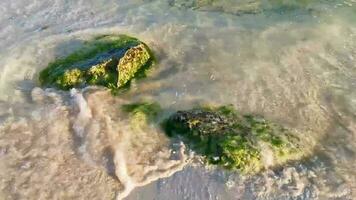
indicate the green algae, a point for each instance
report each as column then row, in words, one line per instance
column 229, row 139
column 103, row 72
column 132, row 62
column 71, row 78
column 221, row 135
column 142, row 113
column 109, row 60
column 150, row 109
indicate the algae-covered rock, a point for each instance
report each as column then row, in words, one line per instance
column 111, row 61
column 223, row 136
column 142, row 113
column 132, row 62
column 234, row 141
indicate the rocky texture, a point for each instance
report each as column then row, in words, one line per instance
column 111, row 61
column 131, row 63
column 234, row 141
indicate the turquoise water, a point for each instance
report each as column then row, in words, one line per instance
column 291, row 61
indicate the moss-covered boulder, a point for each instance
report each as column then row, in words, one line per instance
column 222, row 136
column 234, row 141
column 110, row 60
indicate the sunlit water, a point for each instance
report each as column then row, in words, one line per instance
column 294, row 65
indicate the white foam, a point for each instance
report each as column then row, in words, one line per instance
column 81, row 121
column 141, row 154
column 283, row 65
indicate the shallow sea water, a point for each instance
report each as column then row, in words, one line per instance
column 296, row 65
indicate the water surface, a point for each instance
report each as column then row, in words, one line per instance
column 292, row 62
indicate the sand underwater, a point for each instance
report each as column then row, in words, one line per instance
column 294, row 62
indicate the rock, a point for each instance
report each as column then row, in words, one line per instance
column 134, row 59
column 111, row 61
column 142, row 113
column 231, row 140
column 243, row 6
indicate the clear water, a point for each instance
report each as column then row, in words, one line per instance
column 294, row 64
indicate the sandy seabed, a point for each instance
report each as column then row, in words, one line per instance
column 295, row 67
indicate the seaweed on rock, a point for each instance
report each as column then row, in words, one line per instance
column 142, row 113
column 110, row 60
column 231, row 140
column 148, row 109
column 223, row 136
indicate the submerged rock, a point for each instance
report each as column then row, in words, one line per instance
column 234, row 141
column 111, row 61
column 223, row 136
column 243, row 6
column 142, row 113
